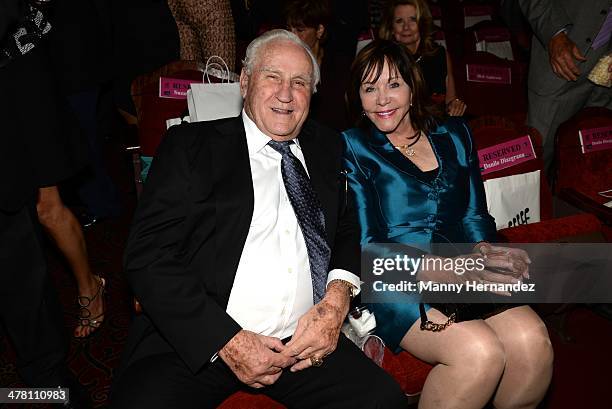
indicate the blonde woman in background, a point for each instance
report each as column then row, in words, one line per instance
column 409, row 22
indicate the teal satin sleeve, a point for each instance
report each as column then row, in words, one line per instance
column 478, row 224
column 363, row 195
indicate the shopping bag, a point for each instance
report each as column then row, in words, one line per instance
column 514, row 200
column 209, row 101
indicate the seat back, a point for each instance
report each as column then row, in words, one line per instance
column 153, row 111
column 587, row 173
column 492, row 130
column 490, row 85
column 493, row 35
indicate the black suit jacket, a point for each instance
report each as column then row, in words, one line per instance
column 191, row 225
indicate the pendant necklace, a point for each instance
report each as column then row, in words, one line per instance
column 407, row 149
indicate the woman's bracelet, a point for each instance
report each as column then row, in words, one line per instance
column 452, row 100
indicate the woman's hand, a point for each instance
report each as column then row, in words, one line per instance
column 456, row 107
column 509, row 260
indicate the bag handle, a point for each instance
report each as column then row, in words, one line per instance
column 211, row 64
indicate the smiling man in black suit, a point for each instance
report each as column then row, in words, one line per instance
column 243, row 254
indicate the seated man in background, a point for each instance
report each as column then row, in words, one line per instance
column 242, row 240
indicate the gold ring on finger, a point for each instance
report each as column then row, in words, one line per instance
column 316, row 361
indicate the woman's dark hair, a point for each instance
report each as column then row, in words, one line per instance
column 368, row 65
column 308, row 13
column 424, row 21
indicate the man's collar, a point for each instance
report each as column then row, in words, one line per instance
column 256, row 140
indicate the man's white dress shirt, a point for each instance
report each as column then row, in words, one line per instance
column 273, row 288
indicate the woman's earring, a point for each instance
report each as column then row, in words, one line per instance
column 363, row 113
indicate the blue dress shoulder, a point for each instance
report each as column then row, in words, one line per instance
column 396, row 203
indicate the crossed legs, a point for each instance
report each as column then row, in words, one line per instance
column 507, row 357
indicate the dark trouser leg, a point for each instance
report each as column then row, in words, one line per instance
column 98, row 192
column 347, row 379
column 163, row 381
column 29, row 308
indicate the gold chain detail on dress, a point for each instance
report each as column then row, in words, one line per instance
column 432, row 326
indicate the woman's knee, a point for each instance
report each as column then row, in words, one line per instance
column 484, row 355
column 532, row 347
column 50, row 210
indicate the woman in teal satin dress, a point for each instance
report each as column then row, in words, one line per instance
column 416, row 181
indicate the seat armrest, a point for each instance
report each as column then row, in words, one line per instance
column 585, row 203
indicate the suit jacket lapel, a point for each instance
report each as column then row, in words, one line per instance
column 233, row 187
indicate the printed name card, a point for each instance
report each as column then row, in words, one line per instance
column 491, row 74
column 174, row 88
column 595, row 139
column 506, row 155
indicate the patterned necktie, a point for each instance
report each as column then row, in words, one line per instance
column 309, row 215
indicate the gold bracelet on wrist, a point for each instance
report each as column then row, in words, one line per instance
column 350, row 287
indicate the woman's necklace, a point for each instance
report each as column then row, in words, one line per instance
column 407, row 148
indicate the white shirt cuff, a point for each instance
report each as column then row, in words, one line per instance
column 339, row 274
column 214, row 357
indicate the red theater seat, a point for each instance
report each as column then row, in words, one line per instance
column 490, row 85
column 580, row 176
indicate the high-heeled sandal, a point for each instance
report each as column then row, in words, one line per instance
column 85, row 319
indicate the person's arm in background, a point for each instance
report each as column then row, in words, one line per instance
column 454, row 105
column 549, row 23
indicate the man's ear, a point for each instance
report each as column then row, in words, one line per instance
column 244, row 82
column 320, row 31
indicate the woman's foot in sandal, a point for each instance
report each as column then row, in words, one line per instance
column 91, row 308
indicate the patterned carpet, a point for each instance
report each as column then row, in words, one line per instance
column 92, row 359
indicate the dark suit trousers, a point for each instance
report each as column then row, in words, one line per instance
column 29, row 308
column 347, row 379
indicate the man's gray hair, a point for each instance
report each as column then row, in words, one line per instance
column 252, row 52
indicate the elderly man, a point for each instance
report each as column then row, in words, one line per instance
column 244, row 239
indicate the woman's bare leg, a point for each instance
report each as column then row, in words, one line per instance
column 529, row 358
column 469, row 360
column 67, row 234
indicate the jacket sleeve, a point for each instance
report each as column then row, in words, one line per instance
column 477, row 222
column 546, row 18
column 157, row 266
column 361, row 192
column 345, row 250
